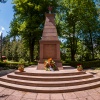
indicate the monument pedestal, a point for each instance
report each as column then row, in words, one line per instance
column 49, row 44
column 41, row 65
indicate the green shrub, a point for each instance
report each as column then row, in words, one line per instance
column 14, row 65
column 85, row 64
column 21, row 61
column 9, row 65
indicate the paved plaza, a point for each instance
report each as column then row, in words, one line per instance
column 10, row 94
column 91, row 94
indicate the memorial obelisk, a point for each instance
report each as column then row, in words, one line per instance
column 49, row 44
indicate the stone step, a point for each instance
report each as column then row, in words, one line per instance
column 46, row 78
column 50, row 73
column 49, row 83
column 51, row 89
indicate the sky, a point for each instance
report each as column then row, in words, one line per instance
column 6, row 16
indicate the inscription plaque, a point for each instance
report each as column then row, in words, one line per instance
column 49, row 51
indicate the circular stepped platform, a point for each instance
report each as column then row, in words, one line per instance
column 52, row 78
column 50, row 82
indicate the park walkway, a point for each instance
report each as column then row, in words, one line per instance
column 11, row 94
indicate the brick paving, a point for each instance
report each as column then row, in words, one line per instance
column 11, row 94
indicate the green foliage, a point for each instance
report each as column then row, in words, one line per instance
column 78, row 25
column 78, row 21
column 15, row 65
column 3, row 1
column 86, row 65
column 21, row 61
column 15, row 50
column 28, row 21
column 9, row 65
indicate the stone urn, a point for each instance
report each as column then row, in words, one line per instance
column 21, row 68
column 79, row 67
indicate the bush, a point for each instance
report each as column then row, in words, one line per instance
column 85, row 64
column 9, row 65
column 21, row 61
column 14, row 65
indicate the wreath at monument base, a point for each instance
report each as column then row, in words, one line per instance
column 49, row 65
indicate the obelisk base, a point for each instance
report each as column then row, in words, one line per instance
column 49, row 43
column 41, row 66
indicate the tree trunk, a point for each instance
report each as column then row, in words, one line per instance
column 31, row 49
column 92, row 49
column 72, row 55
column 73, row 45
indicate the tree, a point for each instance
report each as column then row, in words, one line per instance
column 3, row 1
column 78, row 19
column 29, row 20
column 90, row 25
column 14, row 49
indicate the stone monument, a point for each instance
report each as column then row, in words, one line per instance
column 49, row 44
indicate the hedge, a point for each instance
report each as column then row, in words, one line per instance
column 85, row 64
column 14, row 65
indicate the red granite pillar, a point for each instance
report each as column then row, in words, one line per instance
column 49, row 44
